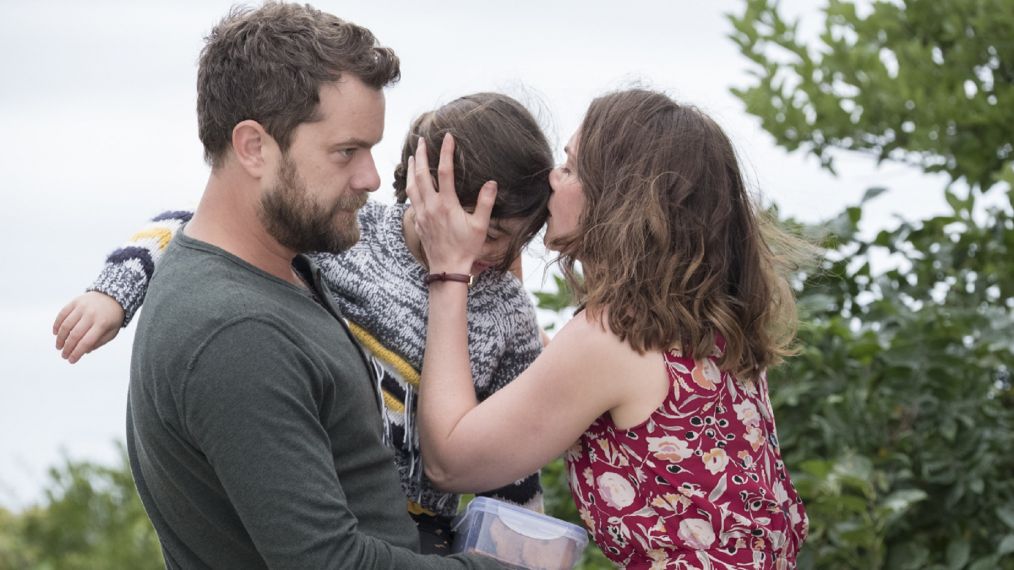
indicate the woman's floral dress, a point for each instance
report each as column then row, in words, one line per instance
column 700, row 484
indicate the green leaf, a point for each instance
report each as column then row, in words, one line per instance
column 1006, row 514
column 855, row 214
column 817, row 468
column 958, row 204
column 977, row 485
column 949, row 429
column 987, row 563
column 844, row 98
column 957, row 553
column 908, row 555
column 1006, row 545
column 817, row 303
column 902, row 500
column 872, row 193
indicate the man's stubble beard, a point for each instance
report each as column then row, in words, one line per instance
column 296, row 221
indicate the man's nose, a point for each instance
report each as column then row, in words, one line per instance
column 367, row 179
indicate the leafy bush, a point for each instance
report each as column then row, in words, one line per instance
column 91, row 518
column 898, row 415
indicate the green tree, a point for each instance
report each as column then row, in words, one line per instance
column 898, row 415
column 928, row 82
column 12, row 548
column 91, row 517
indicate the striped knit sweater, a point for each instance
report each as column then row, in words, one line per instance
column 378, row 285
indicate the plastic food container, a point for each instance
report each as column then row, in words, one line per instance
column 517, row 536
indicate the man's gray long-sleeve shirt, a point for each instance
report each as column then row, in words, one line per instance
column 254, row 427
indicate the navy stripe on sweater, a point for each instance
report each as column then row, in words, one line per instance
column 130, row 252
column 181, row 215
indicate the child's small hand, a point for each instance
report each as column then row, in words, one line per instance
column 86, row 323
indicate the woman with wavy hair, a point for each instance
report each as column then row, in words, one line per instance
column 656, row 390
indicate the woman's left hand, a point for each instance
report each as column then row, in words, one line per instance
column 451, row 237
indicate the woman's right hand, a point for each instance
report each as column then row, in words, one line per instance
column 451, row 236
column 86, row 323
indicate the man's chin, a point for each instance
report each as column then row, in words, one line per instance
column 345, row 240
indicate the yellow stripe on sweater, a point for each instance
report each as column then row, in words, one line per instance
column 417, row 509
column 163, row 236
column 392, row 403
column 400, row 366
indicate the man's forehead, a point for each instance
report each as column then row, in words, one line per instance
column 350, row 110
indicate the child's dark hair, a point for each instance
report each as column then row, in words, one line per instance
column 497, row 138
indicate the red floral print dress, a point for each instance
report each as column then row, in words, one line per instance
column 699, row 485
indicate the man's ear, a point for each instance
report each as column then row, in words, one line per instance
column 252, row 146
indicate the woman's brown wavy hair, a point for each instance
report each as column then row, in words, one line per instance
column 673, row 249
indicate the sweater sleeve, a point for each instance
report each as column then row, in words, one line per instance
column 129, row 268
column 524, row 346
column 251, row 407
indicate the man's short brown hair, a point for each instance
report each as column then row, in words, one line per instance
column 268, row 65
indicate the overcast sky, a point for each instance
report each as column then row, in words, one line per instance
column 99, row 133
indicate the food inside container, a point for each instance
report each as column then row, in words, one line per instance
column 518, row 537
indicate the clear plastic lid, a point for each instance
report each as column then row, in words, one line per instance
column 523, row 521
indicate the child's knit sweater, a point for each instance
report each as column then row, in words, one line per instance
column 378, row 285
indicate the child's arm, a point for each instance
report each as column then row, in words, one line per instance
column 129, row 268
column 93, row 319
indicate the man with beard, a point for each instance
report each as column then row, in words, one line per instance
column 253, row 423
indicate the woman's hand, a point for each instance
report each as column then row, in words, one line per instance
column 86, row 323
column 451, row 237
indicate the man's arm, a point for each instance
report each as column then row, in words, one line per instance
column 249, row 404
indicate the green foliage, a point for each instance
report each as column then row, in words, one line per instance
column 927, row 82
column 898, row 417
column 558, row 300
column 12, row 548
column 91, row 518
